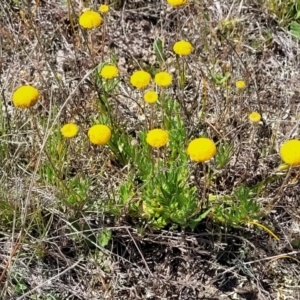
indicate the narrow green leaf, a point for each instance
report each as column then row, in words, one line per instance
column 105, row 237
column 295, row 29
column 158, row 50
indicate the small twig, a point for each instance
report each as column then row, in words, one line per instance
column 146, row 265
column 270, row 257
column 279, row 191
column 13, row 252
column 50, row 279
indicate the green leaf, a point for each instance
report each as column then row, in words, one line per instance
column 295, row 29
column 195, row 222
column 296, row 243
column 105, row 237
column 158, row 50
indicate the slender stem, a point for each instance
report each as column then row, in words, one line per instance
column 103, row 37
column 227, row 97
column 204, row 102
column 279, row 193
column 151, row 116
column 58, row 173
column 253, row 133
column 205, row 184
column 163, row 106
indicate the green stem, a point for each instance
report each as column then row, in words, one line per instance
column 163, row 107
column 58, row 173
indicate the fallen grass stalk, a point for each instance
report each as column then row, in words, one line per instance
column 50, row 279
column 266, row 229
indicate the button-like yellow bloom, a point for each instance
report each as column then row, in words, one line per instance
column 163, row 79
column 290, row 152
column 109, row 72
column 183, row 48
column 255, row 117
column 140, row 79
column 157, row 138
column 90, row 19
column 150, row 97
column 69, row 130
column 99, row 134
column 25, row 96
column 240, row 84
column 201, row 149
column 104, row 8
column 176, row 2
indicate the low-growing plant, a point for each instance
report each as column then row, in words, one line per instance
column 287, row 14
column 285, row 11
column 239, row 208
column 148, row 148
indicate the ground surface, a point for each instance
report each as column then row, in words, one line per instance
column 215, row 261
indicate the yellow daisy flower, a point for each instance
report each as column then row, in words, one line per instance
column 90, row 19
column 140, row 79
column 69, row 130
column 183, row 48
column 163, row 79
column 255, row 117
column 99, row 134
column 150, row 97
column 25, row 96
column 109, row 72
column 201, row 149
column 176, row 2
column 104, row 8
column 290, row 152
column 157, row 138
column 240, row 84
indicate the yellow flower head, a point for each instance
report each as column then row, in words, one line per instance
column 69, row 130
column 99, row 134
column 90, row 19
column 150, row 97
column 25, row 96
column 201, row 149
column 240, row 84
column 157, row 138
column 140, row 79
column 163, row 79
column 255, row 117
column 176, row 2
column 183, row 48
column 104, row 8
column 109, row 72
column 290, row 152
